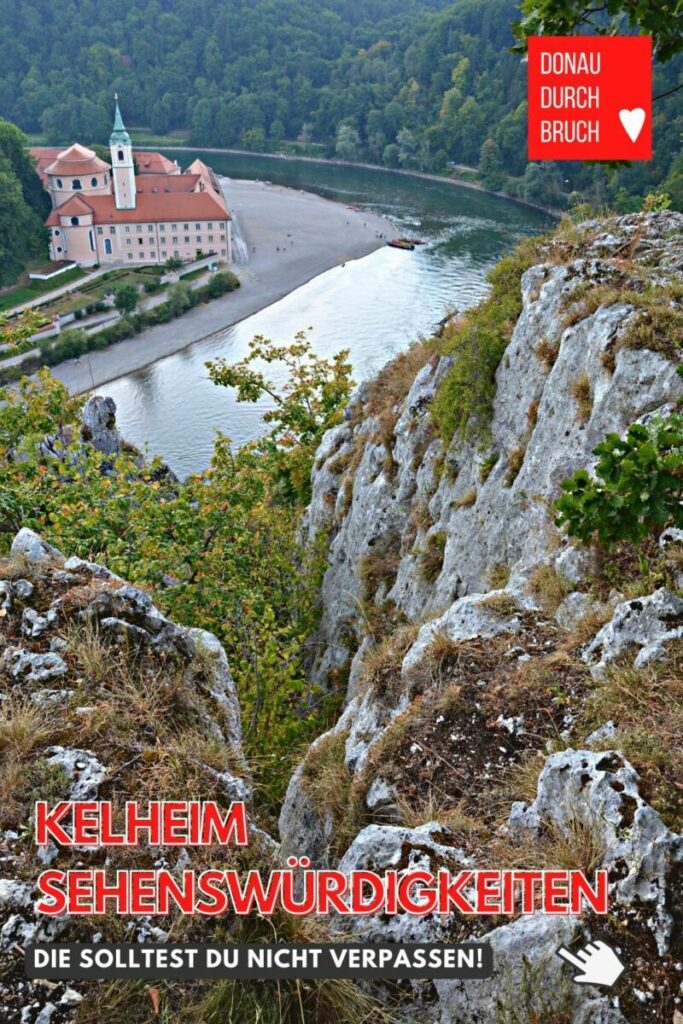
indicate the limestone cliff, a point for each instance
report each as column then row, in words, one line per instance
column 499, row 675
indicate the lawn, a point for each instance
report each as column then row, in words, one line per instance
column 34, row 290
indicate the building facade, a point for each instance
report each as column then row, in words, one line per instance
column 107, row 213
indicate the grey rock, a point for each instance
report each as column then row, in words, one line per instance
column 34, row 668
column 82, row 767
column 574, row 608
column 600, row 735
column 599, row 791
column 468, row 617
column 33, row 624
column 98, row 425
column 33, row 549
column 574, row 564
column 23, row 589
column 645, row 623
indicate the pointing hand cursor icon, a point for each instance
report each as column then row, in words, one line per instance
column 596, row 962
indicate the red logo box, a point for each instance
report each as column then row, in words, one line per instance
column 590, row 98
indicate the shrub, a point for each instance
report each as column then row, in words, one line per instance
column 639, row 485
column 464, row 401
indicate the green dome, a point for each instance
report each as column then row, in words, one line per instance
column 119, row 133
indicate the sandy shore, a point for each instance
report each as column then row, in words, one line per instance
column 290, row 237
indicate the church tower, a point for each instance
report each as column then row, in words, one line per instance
column 122, row 167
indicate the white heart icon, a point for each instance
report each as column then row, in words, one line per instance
column 633, row 121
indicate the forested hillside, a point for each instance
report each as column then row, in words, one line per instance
column 23, row 205
column 411, row 84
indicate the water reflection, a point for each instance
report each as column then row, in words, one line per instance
column 375, row 306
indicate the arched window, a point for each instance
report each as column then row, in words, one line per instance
column 76, row 184
column 93, row 182
column 74, row 221
column 92, row 240
column 121, row 157
column 107, row 246
column 59, row 183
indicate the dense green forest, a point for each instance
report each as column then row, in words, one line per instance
column 23, row 205
column 404, row 83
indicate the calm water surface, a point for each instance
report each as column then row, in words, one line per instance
column 375, row 306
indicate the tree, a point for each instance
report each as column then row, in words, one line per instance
column 125, row 298
column 542, row 183
column 491, row 165
column 307, row 406
column 348, row 142
column 658, row 18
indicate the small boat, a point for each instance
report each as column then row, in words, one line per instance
column 401, row 243
column 415, row 241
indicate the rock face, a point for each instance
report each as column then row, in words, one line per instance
column 399, row 499
column 473, row 641
column 145, row 709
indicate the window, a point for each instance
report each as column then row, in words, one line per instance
column 222, row 238
column 141, row 241
column 223, row 252
column 163, row 239
column 112, row 230
column 175, row 253
column 128, row 241
column 186, row 227
column 121, row 155
column 105, row 179
column 141, row 255
column 211, row 238
column 59, row 183
column 138, row 228
column 93, row 182
column 74, row 221
column 162, row 227
column 199, row 238
column 175, row 239
column 91, row 239
column 174, row 227
column 163, row 254
column 150, row 227
column 59, row 248
column 210, row 225
column 187, row 239
column 56, row 231
column 107, row 246
column 99, row 231
column 127, row 229
column 198, row 227
column 76, row 184
column 130, row 255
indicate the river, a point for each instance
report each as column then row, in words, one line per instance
column 374, row 306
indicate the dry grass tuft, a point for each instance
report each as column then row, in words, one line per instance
column 549, row 588
column 431, row 556
column 466, row 500
column 515, row 461
column 582, row 393
column 547, row 353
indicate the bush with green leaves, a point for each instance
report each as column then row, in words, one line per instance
column 228, row 538
column 638, row 486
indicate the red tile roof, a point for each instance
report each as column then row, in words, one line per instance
column 77, row 160
column 43, row 156
column 75, row 206
column 150, row 207
column 154, row 163
column 166, row 182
